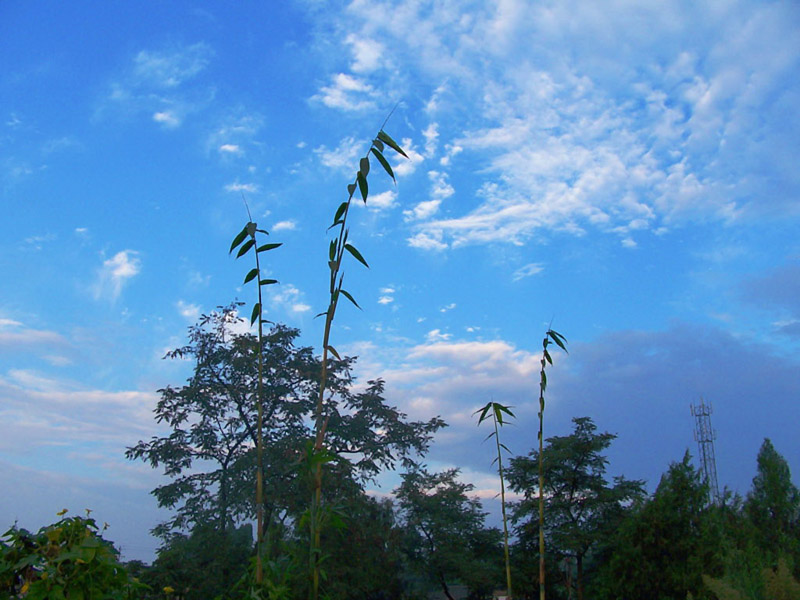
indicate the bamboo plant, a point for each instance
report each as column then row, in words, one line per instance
column 248, row 233
column 339, row 246
column 550, row 337
column 497, row 411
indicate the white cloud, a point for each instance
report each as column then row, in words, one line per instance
column 427, row 241
column 423, row 210
column 347, row 92
column 230, row 149
column 344, row 157
column 383, row 201
column 190, row 312
column 448, row 307
column 431, row 135
column 167, row 118
column 284, row 226
column 115, row 273
column 436, row 335
column 367, row 53
column 385, row 300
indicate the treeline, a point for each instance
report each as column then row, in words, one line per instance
column 605, row 538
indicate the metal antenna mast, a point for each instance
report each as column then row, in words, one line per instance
column 704, row 435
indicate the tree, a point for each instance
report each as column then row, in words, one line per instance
column 581, row 507
column 209, row 455
column 446, row 536
column 773, row 505
column 664, row 548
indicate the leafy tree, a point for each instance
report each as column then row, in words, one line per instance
column 204, row 564
column 664, row 548
column 773, row 505
column 209, row 455
column 582, row 507
column 446, row 537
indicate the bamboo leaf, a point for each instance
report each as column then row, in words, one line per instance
column 256, row 313
column 363, row 166
column 351, row 189
column 384, row 163
column 251, row 275
column 384, row 137
column 267, row 281
column 251, row 229
column 352, row 250
column 245, row 247
column 238, row 239
column 349, row 297
column 266, row 247
column 362, row 186
column 558, row 339
column 378, row 144
column 332, row 250
column 547, row 356
column 333, row 351
column 339, row 212
column 504, row 447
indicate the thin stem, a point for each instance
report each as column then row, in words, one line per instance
column 503, row 506
column 542, row 385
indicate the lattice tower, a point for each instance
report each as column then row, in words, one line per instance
column 704, row 435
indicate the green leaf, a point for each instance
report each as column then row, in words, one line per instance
column 558, row 339
column 238, row 239
column 384, row 137
column 332, row 250
column 256, row 313
column 266, row 247
column 504, row 447
column 351, row 189
column 378, row 144
column 324, row 312
column 546, row 355
column 362, row 186
column 251, row 275
column 251, row 229
column 363, row 166
column 339, row 212
column 267, row 281
column 352, row 250
column 384, row 163
column 245, row 247
column 543, row 381
column 333, row 351
column 349, row 297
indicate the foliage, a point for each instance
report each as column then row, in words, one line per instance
column 497, row 410
column 209, row 454
column 66, row 560
column 773, row 505
column 583, row 509
column 446, row 539
column 664, row 548
column 203, row 564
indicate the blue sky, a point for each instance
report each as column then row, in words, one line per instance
column 624, row 170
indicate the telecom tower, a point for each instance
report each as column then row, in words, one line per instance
column 704, row 435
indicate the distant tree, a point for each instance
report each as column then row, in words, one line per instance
column 582, row 508
column 664, row 548
column 773, row 505
column 209, row 455
column 446, row 538
column 204, row 564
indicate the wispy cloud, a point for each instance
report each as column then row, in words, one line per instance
column 527, row 271
column 115, row 273
column 250, row 188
